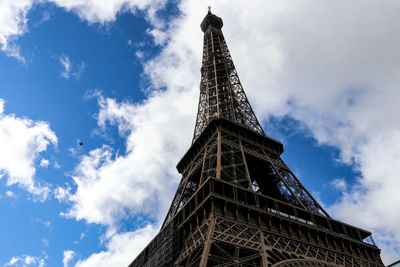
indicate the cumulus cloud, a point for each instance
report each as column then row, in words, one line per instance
column 13, row 20
column 140, row 182
column 21, row 141
column 14, row 16
column 106, row 11
column 25, row 261
column 160, row 37
column 121, row 249
column 111, row 186
column 62, row 193
column 68, row 257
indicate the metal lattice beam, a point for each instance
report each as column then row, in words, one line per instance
column 238, row 204
column 221, row 93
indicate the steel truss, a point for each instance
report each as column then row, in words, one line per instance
column 235, row 244
column 221, row 93
column 238, row 203
column 230, row 158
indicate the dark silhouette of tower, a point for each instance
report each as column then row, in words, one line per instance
column 238, row 203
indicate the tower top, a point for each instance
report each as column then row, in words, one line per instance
column 221, row 93
column 211, row 19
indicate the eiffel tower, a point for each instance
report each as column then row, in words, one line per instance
column 238, row 203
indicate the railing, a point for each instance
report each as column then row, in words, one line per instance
column 265, row 203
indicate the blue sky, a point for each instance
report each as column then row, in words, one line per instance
column 121, row 76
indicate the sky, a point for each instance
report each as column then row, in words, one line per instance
column 121, row 77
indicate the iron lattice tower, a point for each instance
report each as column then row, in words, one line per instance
column 238, row 203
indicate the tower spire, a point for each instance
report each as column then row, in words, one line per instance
column 221, row 92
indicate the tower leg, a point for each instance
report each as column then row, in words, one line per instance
column 207, row 245
column 265, row 261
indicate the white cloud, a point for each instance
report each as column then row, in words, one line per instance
column 376, row 197
column 339, row 184
column 56, row 165
column 46, row 16
column 45, row 223
column 13, row 20
column 2, row 103
column 69, row 70
column 146, row 171
column 10, row 193
column 21, row 141
column 106, row 11
column 139, row 54
column 121, row 249
column 79, row 70
column 68, row 257
column 25, row 261
column 44, row 163
column 66, row 64
column 160, row 37
column 62, row 193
